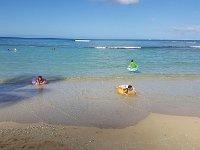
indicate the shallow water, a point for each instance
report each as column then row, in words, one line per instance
column 95, row 102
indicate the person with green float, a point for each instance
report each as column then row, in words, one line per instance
column 133, row 64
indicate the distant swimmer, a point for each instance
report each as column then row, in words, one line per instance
column 14, row 49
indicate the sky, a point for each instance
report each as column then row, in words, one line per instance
column 103, row 19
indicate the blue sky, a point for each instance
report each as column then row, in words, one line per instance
column 149, row 19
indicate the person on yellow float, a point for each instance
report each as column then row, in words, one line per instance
column 126, row 90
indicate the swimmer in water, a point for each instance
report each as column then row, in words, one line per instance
column 40, row 81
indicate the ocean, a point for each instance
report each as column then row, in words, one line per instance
column 70, row 58
column 83, row 76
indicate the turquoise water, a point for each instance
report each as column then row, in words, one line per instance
column 67, row 58
column 167, row 82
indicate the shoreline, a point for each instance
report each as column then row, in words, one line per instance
column 155, row 132
column 95, row 103
column 27, row 79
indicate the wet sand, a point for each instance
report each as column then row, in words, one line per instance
column 155, row 132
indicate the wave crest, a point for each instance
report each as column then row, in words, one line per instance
column 118, row 47
column 82, row 40
column 197, row 46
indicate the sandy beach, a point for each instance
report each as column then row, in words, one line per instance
column 155, row 132
column 93, row 116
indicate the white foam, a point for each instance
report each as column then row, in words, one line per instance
column 14, row 50
column 101, row 47
column 82, row 40
column 118, row 47
column 198, row 46
column 125, row 47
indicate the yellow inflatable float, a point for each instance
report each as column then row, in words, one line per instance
column 126, row 90
column 120, row 91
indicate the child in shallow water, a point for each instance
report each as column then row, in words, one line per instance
column 127, row 90
column 131, row 90
column 40, row 81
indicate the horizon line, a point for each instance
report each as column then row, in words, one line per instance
column 97, row 38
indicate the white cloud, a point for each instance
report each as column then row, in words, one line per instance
column 195, row 28
column 126, row 2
